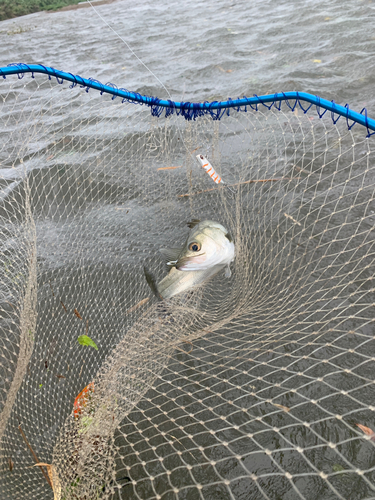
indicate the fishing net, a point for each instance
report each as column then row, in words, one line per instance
column 243, row 388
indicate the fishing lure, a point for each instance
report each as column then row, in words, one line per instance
column 204, row 163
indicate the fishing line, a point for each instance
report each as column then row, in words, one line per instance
column 153, row 74
column 131, row 50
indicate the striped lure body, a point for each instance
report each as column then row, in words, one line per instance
column 204, row 163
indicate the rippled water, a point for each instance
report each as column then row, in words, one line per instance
column 204, row 49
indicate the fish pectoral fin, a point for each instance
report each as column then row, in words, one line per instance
column 151, row 281
column 170, row 254
column 228, row 272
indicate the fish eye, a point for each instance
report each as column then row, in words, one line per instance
column 195, row 246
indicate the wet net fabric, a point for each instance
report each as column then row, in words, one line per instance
column 244, row 388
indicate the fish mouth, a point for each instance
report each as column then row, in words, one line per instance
column 180, row 263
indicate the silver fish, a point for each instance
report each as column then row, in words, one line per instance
column 207, row 250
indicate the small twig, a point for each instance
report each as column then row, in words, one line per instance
column 77, row 313
column 51, row 287
column 285, row 408
column 168, row 168
column 240, row 184
column 140, row 304
column 34, row 456
column 267, row 180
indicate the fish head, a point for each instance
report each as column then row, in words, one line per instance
column 208, row 244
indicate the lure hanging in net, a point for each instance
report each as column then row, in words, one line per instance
column 206, row 165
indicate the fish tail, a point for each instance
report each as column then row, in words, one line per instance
column 151, row 281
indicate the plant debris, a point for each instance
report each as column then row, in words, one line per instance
column 168, row 168
column 285, row 408
column 82, row 399
column 34, row 455
column 369, row 432
column 137, row 306
column 77, row 313
column 85, row 340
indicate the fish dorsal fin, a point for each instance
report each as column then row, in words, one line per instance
column 193, row 223
column 170, row 254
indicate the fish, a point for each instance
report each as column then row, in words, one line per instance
column 208, row 249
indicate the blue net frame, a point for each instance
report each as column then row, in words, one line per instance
column 193, row 110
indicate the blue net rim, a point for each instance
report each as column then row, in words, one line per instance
column 193, row 110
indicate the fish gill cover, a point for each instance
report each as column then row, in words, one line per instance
column 260, row 385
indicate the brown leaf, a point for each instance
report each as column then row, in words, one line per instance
column 62, row 303
column 367, row 431
column 60, row 376
column 11, row 464
column 77, row 313
column 55, row 482
column 224, row 70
